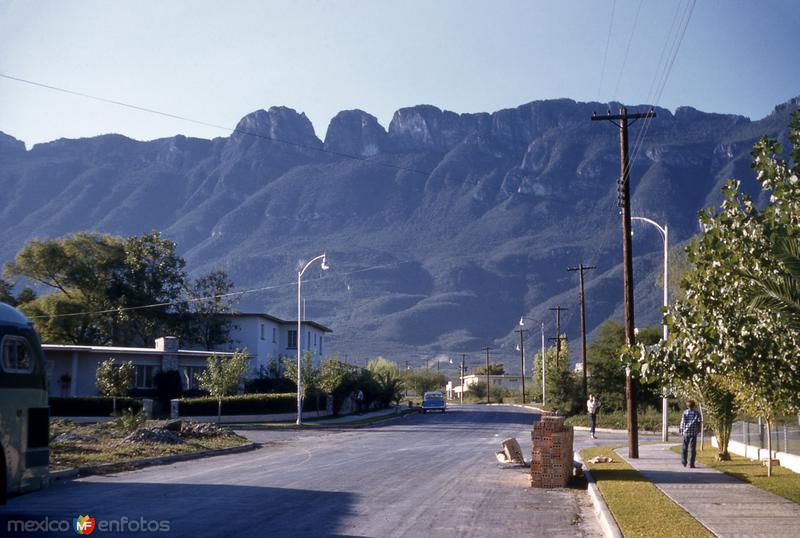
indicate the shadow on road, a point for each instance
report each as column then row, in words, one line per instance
column 184, row 509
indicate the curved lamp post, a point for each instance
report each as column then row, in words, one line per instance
column 664, row 231
column 544, row 362
column 325, row 267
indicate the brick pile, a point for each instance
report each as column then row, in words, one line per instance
column 551, row 461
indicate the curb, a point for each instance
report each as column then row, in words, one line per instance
column 607, row 521
column 104, row 468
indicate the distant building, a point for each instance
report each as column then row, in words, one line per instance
column 506, row 381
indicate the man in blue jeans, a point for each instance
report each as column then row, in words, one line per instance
column 691, row 422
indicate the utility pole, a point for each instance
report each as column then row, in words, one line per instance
column 488, row 393
column 583, row 268
column 624, row 202
column 558, row 310
column 463, row 371
column 522, row 359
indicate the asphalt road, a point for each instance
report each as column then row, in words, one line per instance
column 419, row 475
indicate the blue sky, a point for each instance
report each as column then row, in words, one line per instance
column 217, row 61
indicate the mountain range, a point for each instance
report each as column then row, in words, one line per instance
column 441, row 231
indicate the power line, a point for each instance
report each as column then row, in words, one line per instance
column 209, row 124
column 605, row 53
column 627, row 49
column 211, row 297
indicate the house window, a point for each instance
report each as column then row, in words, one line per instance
column 262, row 331
column 320, row 344
column 315, row 339
column 143, row 378
column 308, row 340
column 292, row 340
column 274, row 335
column 17, row 355
column 191, row 377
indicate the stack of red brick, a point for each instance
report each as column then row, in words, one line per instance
column 551, row 462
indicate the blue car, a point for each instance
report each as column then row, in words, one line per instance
column 433, row 401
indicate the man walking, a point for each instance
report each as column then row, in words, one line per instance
column 691, row 422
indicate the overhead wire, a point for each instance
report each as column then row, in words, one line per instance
column 216, row 296
column 233, row 130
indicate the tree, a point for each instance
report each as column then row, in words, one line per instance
column 336, row 378
column 208, row 301
column 113, row 380
column 152, row 274
column 607, row 372
column 717, row 329
column 310, row 377
column 780, row 291
column 106, row 289
column 494, row 369
column 422, row 381
column 223, row 376
column 7, row 294
column 389, row 383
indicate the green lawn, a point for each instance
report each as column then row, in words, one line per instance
column 639, row 508
column 783, row 482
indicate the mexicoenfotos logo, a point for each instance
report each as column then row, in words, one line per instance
column 84, row 524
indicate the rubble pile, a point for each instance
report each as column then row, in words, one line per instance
column 153, row 435
column 551, row 461
column 200, row 428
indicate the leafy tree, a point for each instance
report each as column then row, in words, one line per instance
column 494, row 369
column 114, row 380
column 387, row 375
column 209, row 300
column 223, row 376
column 606, row 371
column 554, row 367
column 310, row 374
column 717, row 329
column 7, row 294
column 336, row 378
column 779, row 291
column 424, row 380
column 152, row 274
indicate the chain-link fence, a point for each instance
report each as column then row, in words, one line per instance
column 785, row 435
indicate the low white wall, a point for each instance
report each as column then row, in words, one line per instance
column 790, row 461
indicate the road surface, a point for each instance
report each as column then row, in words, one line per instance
column 419, row 475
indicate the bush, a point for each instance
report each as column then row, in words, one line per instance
column 93, row 406
column 269, row 385
column 244, row 404
column 167, row 387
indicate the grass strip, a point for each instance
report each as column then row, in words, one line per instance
column 638, row 506
column 784, row 483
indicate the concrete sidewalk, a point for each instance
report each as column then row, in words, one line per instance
column 724, row 505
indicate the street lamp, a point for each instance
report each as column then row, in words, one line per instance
column 521, row 349
column 544, row 362
column 664, row 231
column 325, row 267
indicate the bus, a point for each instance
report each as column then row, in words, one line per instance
column 24, row 413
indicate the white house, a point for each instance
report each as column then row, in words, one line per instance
column 266, row 337
column 506, row 381
column 72, row 369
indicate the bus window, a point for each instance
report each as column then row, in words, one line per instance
column 24, row 414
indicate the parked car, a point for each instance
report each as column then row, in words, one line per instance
column 433, row 401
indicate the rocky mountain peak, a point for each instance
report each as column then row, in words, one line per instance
column 9, row 144
column 354, row 132
column 278, row 123
column 426, row 125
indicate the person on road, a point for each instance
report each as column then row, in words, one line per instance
column 691, row 422
column 592, row 406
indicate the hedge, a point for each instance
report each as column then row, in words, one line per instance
column 93, row 406
column 246, row 404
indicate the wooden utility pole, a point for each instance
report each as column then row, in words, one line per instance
column 488, row 392
column 624, row 202
column 583, row 268
column 522, row 359
column 558, row 338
